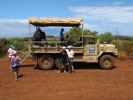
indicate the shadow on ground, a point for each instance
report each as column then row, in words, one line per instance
column 86, row 66
column 77, row 66
column 27, row 65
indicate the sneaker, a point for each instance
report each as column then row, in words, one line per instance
column 16, row 79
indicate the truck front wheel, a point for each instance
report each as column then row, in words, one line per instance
column 106, row 62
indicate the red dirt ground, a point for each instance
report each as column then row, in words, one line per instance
column 84, row 84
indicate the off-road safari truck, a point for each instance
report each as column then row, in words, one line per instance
column 46, row 55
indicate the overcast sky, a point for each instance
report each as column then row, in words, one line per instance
column 99, row 15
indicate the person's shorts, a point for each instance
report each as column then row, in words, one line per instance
column 15, row 68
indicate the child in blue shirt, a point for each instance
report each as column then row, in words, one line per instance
column 15, row 64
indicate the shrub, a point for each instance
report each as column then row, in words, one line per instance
column 125, row 48
column 3, row 47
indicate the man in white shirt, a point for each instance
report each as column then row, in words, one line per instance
column 70, row 54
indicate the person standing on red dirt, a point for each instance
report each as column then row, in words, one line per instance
column 65, row 62
column 15, row 65
column 70, row 54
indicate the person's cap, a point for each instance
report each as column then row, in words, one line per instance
column 63, row 47
column 69, row 47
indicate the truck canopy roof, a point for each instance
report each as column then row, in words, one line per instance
column 68, row 22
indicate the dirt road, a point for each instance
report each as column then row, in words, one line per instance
column 85, row 84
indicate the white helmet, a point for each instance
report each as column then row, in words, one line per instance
column 63, row 47
column 69, row 47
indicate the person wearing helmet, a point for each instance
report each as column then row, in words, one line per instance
column 70, row 54
column 11, row 51
column 15, row 65
column 64, row 60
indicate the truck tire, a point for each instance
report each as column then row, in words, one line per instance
column 46, row 62
column 106, row 62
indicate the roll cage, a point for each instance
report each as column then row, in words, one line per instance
column 57, row 22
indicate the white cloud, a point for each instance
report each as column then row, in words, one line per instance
column 91, row 26
column 13, row 27
column 117, row 14
column 22, row 21
column 106, row 18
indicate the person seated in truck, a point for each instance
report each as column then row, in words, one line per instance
column 62, row 36
column 39, row 35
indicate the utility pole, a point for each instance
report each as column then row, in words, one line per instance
column 117, row 37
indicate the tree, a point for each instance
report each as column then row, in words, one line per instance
column 3, row 47
column 89, row 33
column 74, row 34
column 105, row 37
